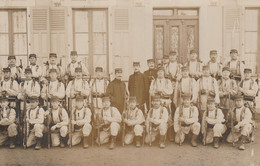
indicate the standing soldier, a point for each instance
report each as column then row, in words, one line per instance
column 8, row 128
column 156, row 122
column 136, row 86
column 165, row 63
column 58, row 121
column 150, row 75
column 212, row 124
column 133, row 118
column 36, row 69
column 194, row 65
column 111, row 118
column 80, row 119
column 227, row 90
column 215, row 67
column 174, row 68
column 240, row 121
column 52, row 64
column 207, row 86
column 16, row 71
column 116, row 90
column 185, row 85
column 76, row 87
column 35, row 126
column 70, row 70
column 236, row 66
column 98, row 87
column 186, row 120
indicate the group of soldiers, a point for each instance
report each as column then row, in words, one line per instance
column 61, row 107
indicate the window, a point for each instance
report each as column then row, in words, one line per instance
column 91, row 37
column 13, row 35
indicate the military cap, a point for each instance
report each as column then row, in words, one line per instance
column 99, row 69
column 150, row 60
column 172, row 53
column 53, row 70
column 55, row 99
column 184, row 68
column 156, row 98
column 27, row 70
column 79, row 98
column 136, row 63
column 53, row 55
column 118, row 70
column 78, row 69
column 226, row 68
column 106, row 98
column 160, row 68
column 32, row 56
column 73, row 53
column 11, row 57
column 210, row 99
column 233, row 51
column 165, row 56
column 132, row 98
column 247, row 70
column 193, row 51
column 34, row 98
column 213, row 52
column 186, row 96
column 206, row 67
column 7, row 69
column 238, row 97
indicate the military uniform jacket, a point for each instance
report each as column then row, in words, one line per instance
column 36, row 71
column 70, row 69
column 54, row 88
column 161, row 85
column 173, row 69
column 215, row 69
column 249, row 87
column 82, row 116
column 30, row 88
column 111, row 113
column 137, row 87
column 195, row 68
column 209, row 84
column 135, row 116
column 236, row 68
column 241, row 116
column 36, row 115
column 150, row 75
column 78, row 85
column 98, row 86
column 159, row 115
column 7, row 116
column 11, row 86
column 59, row 117
column 47, row 68
column 227, row 86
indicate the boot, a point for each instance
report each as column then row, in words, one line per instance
column 12, row 145
column 194, row 140
column 62, row 142
column 243, row 140
column 38, row 144
column 85, row 142
column 216, row 144
column 137, row 141
column 112, row 143
column 162, row 141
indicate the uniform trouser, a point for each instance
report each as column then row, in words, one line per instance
column 203, row 105
column 55, row 136
column 216, row 131
column 245, row 130
column 78, row 133
column 112, row 130
column 161, row 129
column 36, row 132
column 180, row 136
column 10, row 132
column 130, row 134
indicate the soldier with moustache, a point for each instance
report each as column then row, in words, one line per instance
column 194, row 66
column 215, row 67
column 16, row 71
column 52, row 64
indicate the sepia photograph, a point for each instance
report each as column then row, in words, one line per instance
column 130, row 82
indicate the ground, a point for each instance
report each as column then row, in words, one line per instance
column 173, row 154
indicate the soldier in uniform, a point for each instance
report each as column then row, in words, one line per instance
column 156, row 122
column 215, row 67
column 80, row 119
column 242, row 128
column 207, row 86
column 36, row 69
column 136, row 86
column 111, row 119
column 212, row 124
column 16, row 71
column 70, row 69
column 78, row 86
column 186, row 119
column 35, row 126
column 116, row 90
column 150, row 75
column 8, row 128
column 133, row 118
column 98, row 87
column 236, row 66
column 58, row 121
column 185, row 85
column 227, row 90
column 165, row 63
column 52, row 64
column 174, row 68
column 194, row 65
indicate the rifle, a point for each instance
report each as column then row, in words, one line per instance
column 206, row 130
column 97, row 115
column 25, row 127
column 48, row 126
column 123, row 118
column 70, row 125
column 232, row 120
column 150, row 124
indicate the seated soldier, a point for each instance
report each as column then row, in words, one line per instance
column 242, row 126
column 156, row 122
column 212, row 123
column 111, row 118
column 8, row 128
column 58, row 120
column 186, row 119
column 133, row 118
column 80, row 119
column 34, row 120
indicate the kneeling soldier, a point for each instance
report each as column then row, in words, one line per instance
column 35, row 119
column 186, row 119
column 133, row 118
column 156, row 122
column 242, row 126
column 81, row 118
column 111, row 118
column 59, row 120
column 8, row 128
column 212, row 123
